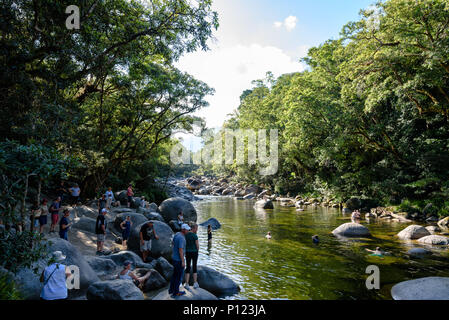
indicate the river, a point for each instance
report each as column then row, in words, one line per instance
column 290, row 266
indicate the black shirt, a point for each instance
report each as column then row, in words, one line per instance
column 147, row 232
column 100, row 222
column 102, row 203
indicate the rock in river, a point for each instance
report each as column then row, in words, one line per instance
column 435, row 240
column 430, row 288
column 216, row 282
column 418, row 252
column 264, row 204
column 191, row 294
column 171, row 207
column 214, row 223
column 351, row 230
column 413, row 232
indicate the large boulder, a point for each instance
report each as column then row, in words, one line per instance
column 119, row 259
column 161, row 247
column 433, row 229
column 354, row 204
column 84, row 211
column 264, row 204
column 413, row 232
column 154, row 281
column 103, row 267
column 171, row 207
column 351, row 230
column 114, row 290
column 214, row 223
column 191, row 294
column 444, row 223
column 74, row 257
column 136, row 219
column 84, row 224
column 164, row 268
column 430, row 288
column 175, row 226
column 122, row 197
column 216, row 282
column 435, row 240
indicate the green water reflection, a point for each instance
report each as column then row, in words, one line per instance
column 290, row 266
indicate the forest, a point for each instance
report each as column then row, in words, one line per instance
column 368, row 117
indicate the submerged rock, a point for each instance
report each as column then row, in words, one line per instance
column 351, row 230
column 418, row 252
column 430, row 288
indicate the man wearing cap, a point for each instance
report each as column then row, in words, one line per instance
column 100, row 230
column 147, row 234
column 54, row 278
column 179, row 247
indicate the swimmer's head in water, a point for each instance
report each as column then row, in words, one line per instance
column 315, row 239
column 377, row 248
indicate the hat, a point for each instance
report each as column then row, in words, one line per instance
column 185, row 226
column 104, row 210
column 58, row 256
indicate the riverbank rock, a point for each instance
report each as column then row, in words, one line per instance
column 83, row 211
column 102, row 266
column 444, row 223
column 191, row 294
column 161, row 247
column 136, row 219
column 413, row 232
column 114, row 290
column 214, row 223
column 171, row 207
column 28, row 283
column 353, row 204
column 430, row 288
column 435, row 240
column 351, row 230
column 84, row 224
column 264, row 204
column 418, row 252
column 155, row 280
column 175, row 226
column 154, row 216
column 216, row 282
column 164, row 268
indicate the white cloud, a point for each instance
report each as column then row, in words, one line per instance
column 289, row 23
column 230, row 70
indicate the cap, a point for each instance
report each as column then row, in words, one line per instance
column 185, row 226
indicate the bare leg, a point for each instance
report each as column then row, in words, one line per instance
column 188, row 278
column 195, row 277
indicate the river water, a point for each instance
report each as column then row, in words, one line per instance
column 290, row 266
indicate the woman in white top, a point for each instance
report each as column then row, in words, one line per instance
column 54, row 279
column 127, row 274
column 109, row 198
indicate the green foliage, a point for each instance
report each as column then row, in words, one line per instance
column 8, row 290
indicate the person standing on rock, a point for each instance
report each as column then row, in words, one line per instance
column 110, row 200
column 35, row 213
column 130, row 194
column 54, row 212
column 102, row 203
column 100, row 230
column 54, row 278
column 192, row 249
column 43, row 216
column 126, row 230
column 179, row 246
column 64, row 225
column 75, row 192
column 147, row 234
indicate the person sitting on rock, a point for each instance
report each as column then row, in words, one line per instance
column 180, row 218
column 355, row 215
column 268, row 236
column 147, row 234
column 127, row 274
column 143, row 202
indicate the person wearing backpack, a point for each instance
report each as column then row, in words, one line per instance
column 54, row 278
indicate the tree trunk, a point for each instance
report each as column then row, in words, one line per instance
column 22, row 213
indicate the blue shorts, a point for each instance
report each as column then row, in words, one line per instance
column 43, row 220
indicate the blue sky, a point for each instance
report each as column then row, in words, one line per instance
column 256, row 36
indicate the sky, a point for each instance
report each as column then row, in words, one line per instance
column 257, row 36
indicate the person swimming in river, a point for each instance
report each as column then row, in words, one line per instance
column 268, row 236
column 378, row 252
column 315, row 239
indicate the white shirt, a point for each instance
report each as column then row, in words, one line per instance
column 56, row 286
column 109, row 195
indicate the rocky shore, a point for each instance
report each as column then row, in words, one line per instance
column 98, row 274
